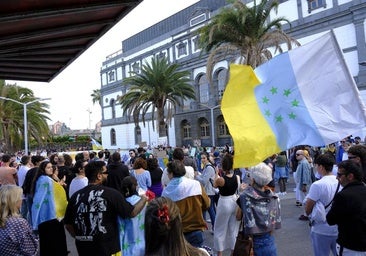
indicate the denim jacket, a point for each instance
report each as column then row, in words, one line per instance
column 261, row 211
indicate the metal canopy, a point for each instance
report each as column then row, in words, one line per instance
column 38, row 39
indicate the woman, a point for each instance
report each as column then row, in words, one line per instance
column 261, row 211
column 156, row 173
column 163, row 231
column 16, row 236
column 80, row 181
column 206, row 179
column 141, row 174
column 226, row 224
column 48, row 209
column 280, row 172
column 132, row 229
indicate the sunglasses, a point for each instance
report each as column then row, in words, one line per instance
column 106, row 172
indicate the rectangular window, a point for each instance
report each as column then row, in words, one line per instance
column 315, row 4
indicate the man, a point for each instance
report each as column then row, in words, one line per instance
column 131, row 160
column 348, row 210
column 318, row 200
column 91, row 215
column 303, row 178
column 191, row 199
column 357, row 153
column 8, row 175
column 117, row 171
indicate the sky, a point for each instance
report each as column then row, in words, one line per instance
column 70, row 91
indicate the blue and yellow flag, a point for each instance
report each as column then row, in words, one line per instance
column 305, row 96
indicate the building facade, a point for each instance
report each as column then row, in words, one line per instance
column 200, row 121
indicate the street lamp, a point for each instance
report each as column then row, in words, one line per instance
column 25, row 104
column 212, row 121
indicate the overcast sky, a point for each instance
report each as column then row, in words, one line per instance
column 70, row 90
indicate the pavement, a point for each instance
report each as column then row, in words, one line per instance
column 293, row 239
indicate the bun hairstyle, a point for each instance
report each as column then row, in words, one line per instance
column 129, row 186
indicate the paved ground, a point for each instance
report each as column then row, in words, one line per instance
column 292, row 239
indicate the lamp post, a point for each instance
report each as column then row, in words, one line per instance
column 212, row 121
column 25, row 104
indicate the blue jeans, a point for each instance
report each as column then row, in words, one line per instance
column 195, row 238
column 323, row 244
column 264, row 245
column 211, row 211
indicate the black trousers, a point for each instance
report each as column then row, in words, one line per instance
column 52, row 238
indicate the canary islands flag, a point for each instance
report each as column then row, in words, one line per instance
column 96, row 145
column 304, row 96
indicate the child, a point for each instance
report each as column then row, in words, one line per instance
column 132, row 230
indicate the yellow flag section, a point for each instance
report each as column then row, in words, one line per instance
column 245, row 120
column 60, row 200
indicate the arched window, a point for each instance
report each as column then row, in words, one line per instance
column 186, row 129
column 113, row 137
column 222, row 127
column 204, row 128
column 203, row 89
column 113, row 106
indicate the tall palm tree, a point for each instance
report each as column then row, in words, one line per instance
column 12, row 117
column 96, row 96
column 159, row 88
column 244, row 34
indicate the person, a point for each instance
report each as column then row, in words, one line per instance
column 91, row 215
column 178, row 154
column 132, row 158
column 261, row 211
column 117, row 171
column 206, row 178
column 80, row 181
column 25, row 164
column 156, row 173
column 357, row 153
column 321, row 194
column 48, row 208
column 132, row 229
column 280, row 172
column 348, row 210
column 191, row 199
column 141, row 174
column 16, row 236
column 27, row 184
column 303, row 178
column 164, row 231
column 226, row 224
column 8, row 174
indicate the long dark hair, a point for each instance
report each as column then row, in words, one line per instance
column 41, row 170
column 163, row 230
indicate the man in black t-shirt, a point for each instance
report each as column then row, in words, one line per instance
column 91, row 215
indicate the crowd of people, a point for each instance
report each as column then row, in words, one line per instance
column 113, row 205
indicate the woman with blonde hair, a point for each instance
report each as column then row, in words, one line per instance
column 16, row 237
column 163, row 231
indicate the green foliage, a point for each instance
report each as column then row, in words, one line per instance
column 244, row 34
column 159, row 88
column 12, row 117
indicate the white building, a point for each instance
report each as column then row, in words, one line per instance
column 201, row 121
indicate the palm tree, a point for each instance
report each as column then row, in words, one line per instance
column 12, row 117
column 159, row 88
column 96, row 96
column 244, row 34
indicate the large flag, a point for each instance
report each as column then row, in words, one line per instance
column 304, row 96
